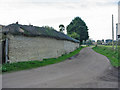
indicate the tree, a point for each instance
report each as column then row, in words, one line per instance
column 74, row 35
column 103, row 40
column 78, row 26
column 62, row 27
column 99, row 42
column 89, row 42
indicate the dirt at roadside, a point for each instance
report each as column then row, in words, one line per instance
column 111, row 74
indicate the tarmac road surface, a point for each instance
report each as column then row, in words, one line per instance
column 87, row 70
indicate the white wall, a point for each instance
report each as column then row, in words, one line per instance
column 70, row 46
column 23, row 48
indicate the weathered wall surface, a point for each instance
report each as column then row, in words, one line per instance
column 70, row 46
column 23, row 48
column 0, row 32
column 0, row 44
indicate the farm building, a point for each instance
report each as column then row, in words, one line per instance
column 27, row 42
column 108, row 41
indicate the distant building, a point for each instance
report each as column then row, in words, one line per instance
column 108, row 41
column 93, row 42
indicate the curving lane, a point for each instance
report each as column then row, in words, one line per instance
column 84, row 71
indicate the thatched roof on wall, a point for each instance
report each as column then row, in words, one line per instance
column 33, row 31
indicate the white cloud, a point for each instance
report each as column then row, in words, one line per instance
column 97, row 14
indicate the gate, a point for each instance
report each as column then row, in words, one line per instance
column 5, row 51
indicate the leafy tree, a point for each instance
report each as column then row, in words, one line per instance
column 99, row 42
column 89, row 42
column 62, row 27
column 77, row 29
column 102, row 40
column 74, row 35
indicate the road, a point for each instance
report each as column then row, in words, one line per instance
column 87, row 70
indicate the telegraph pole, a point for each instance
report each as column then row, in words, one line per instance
column 116, row 35
column 112, row 32
column 116, row 31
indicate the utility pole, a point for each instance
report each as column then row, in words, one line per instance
column 112, row 32
column 116, row 35
column 116, row 31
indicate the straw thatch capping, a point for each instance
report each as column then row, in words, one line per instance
column 33, row 31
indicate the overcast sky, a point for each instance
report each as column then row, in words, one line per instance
column 96, row 13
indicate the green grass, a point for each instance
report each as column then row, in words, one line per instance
column 111, row 54
column 106, row 45
column 34, row 64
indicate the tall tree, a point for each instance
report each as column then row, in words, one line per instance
column 77, row 29
column 62, row 27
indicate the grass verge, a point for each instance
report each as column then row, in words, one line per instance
column 111, row 54
column 34, row 64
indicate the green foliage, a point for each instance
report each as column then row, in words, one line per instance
column 78, row 27
column 110, row 53
column 74, row 35
column 99, row 42
column 89, row 42
column 34, row 64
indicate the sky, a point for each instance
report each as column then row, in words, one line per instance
column 97, row 14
